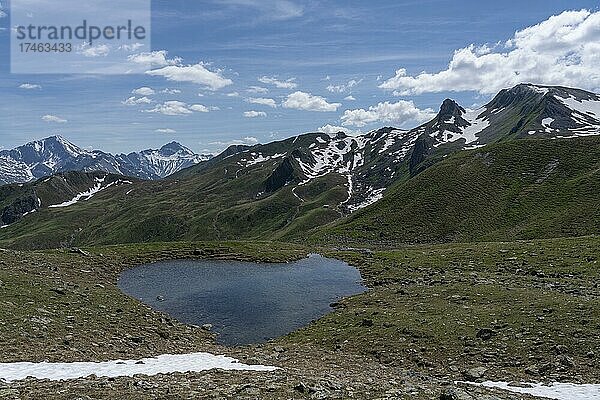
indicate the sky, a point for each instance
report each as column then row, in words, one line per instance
column 253, row 71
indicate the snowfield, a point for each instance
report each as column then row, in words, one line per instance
column 164, row 364
column 88, row 194
column 558, row 391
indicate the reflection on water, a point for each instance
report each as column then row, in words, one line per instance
column 245, row 302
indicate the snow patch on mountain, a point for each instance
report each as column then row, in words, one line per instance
column 88, row 194
column 163, row 364
column 257, row 158
column 373, row 196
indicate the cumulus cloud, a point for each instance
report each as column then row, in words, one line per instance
column 154, row 58
column 170, row 91
column 174, row 107
column 232, row 94
column 257, row 89
column 343, row 87
column 132, row 101
column 143, row 91
column 349, row 98
column 288, row 84
column 165, row 130
column 562, row 50
column 263, row 101
column 332, row 129
column 308, row 102
column 254, row 114
column 29, row 86
column 199, row 108
column 401, row 113
column 197, row 74
column 53, row 118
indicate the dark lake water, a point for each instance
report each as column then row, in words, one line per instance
column 245, row 302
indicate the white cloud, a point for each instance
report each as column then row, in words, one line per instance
column 53, row 118
column 232, row 94
column 402, row 113
column 254, row 114
column 171, row 108
column 248, row 141
column 199, row 108
column 170, row 91
column 29, row 86
column 288, row 84
column 132, row 101
column 309, row 102
column 154, row 58
column 257, row 89
column 262, row 101
column 349, row 98
column 197, row 74
column 165, row 130
column 332, row 129
column 143, row 91
column 562, row 50
column 344, row 87
column 101, row 50
column 174, row 107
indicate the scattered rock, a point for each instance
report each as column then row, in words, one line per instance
column 561, row 349
column 475, row 374
column 485, row 333
column 367, row 323
column 455, row 394
column 79, row 251
column 566, row 361
column 8, row 393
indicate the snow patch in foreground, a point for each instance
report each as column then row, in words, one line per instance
column 164, row 364
column 559, row 391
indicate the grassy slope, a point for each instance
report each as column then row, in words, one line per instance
column 417, row 325
column 523, row 189
column 221, row 202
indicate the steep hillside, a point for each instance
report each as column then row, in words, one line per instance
column 285, row 189
column 512, row 190
column 58, row 191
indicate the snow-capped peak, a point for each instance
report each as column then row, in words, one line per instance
column 54, row 154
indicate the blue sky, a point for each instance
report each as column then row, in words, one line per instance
column 271, row 69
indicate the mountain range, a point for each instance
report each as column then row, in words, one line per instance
column 55, row 154
column 388, row 184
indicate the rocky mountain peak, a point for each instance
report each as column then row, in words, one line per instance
column 449, row 109
column 172, row 148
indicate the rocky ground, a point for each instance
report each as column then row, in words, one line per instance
column 526, row 311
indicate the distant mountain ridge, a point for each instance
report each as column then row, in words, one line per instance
column 287, row 188
column 55, row 154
